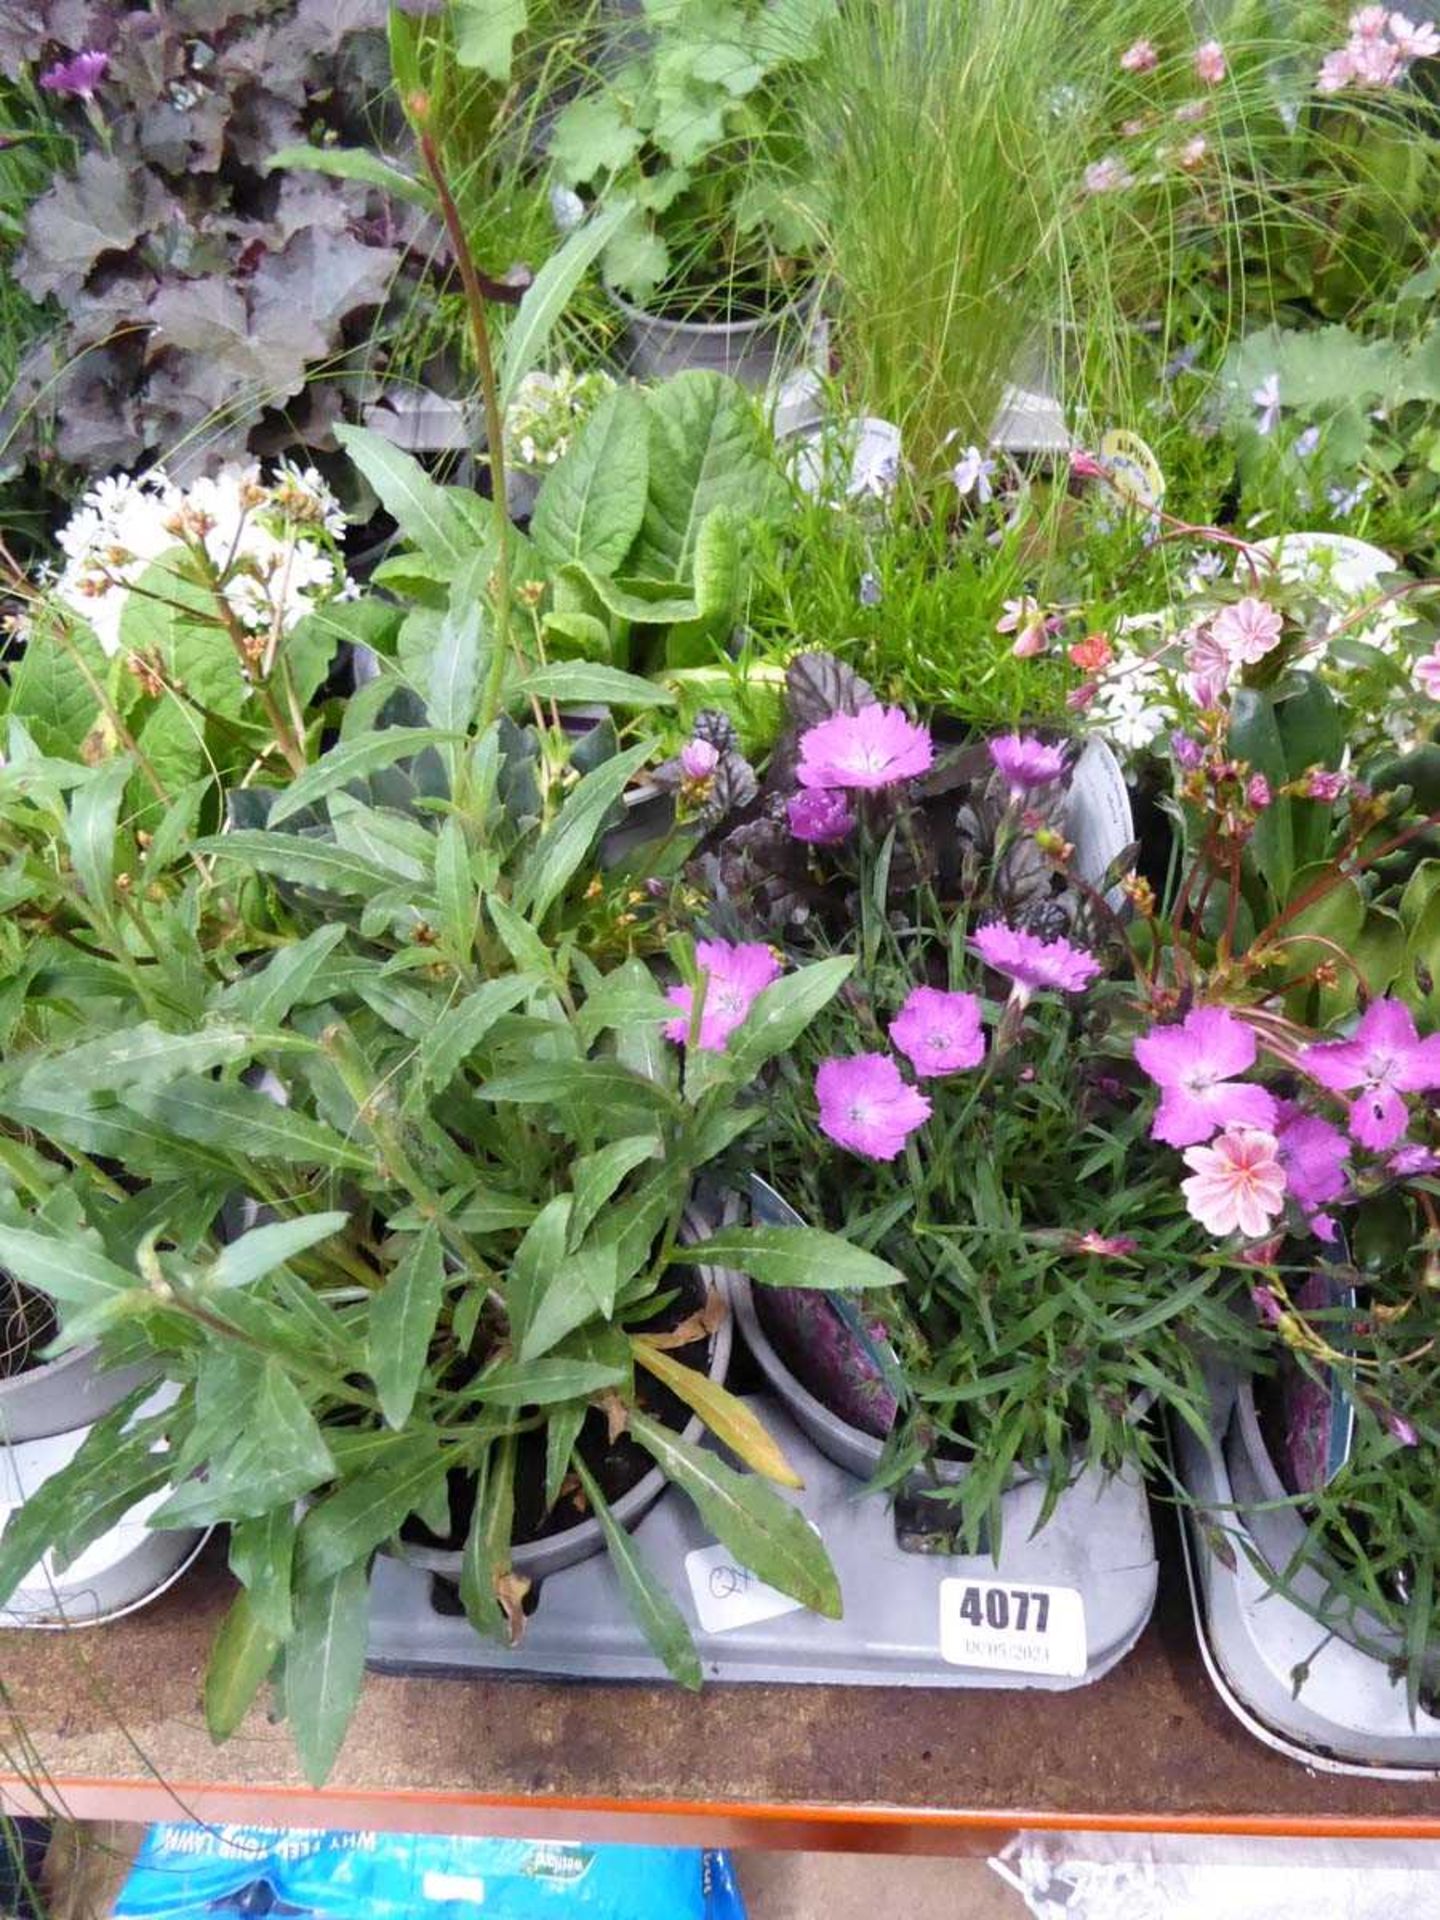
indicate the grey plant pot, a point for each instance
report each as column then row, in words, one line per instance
column 539, row 1558
column 750, row 351
column 1278, row 1534
column 61, row 1395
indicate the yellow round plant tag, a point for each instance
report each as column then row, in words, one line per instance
column 1133, row 468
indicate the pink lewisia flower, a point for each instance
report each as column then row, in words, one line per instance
column 1268, row 1305
column 78, row 77
column 1191, row 156
column 1314, row 1154
column 1426, row 673
column 1026, row 762
column 1092, row 654
column 872, row 748
column 1208, row 669
column 1104, row 1246
column 1397, row 1425
column 1369, row 23
column 939, row 1032
column 1248, row 630
column 1210, row 62
column 1414, row 42
column 1187, row 751
column 867, row 1107
column 1031, row 963
column 1321, row 784
column 1195, row 1065
column 1140, row 58
column 736, row 974
column 1237, row 1185
column 1257, row 792
column 1377, row 63
column 1384, row 1059
column 1337, row 71
column 1110, row 175
column 819, row 817
column 698, row 759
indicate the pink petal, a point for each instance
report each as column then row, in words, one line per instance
column 1378, row 1118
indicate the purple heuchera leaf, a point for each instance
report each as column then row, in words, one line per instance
column 866, row 1105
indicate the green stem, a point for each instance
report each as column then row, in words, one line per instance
column 494, row 420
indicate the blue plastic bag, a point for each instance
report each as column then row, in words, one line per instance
column 191, row 1872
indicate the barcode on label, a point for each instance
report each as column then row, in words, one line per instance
column 1012, row 1626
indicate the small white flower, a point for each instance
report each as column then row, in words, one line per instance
column 1267, row 398
column 972, row 473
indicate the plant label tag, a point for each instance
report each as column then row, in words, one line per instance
column 1011, row 1626
column 727, row 1595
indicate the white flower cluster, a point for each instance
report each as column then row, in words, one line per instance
column 1134, row 703
column 547, row 409
column 271, row 544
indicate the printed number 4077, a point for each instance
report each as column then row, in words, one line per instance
column 1000, row 1608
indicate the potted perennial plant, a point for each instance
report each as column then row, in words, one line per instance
column 962, row 1106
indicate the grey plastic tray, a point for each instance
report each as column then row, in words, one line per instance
column 1349, row 1716
column 1098, row 1542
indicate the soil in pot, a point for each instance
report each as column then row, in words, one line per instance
column 617, row 1465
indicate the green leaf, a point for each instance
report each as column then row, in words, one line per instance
column 241, row 1656
column 277, row 1457
column 485, row 34
column 623, row 1000
column 262, row 1559
column 355, row 163
column 607, row 1087
column 547, row 297
column 325, row 1666
column 402, row 1325
column 459, row 1030
column 593, row 500
column 595, row 1177
column 652, row 1609
column 767, row 1535
column 71, row 1271
column 265, row 997
column 455, row 892
column 305, row 863
column 116, row 1465
column 345, row 1528
column 707, row 450
column 519, row 938
column 431, row 516
column 592, row 136
column 781, row 1012
column 536, row 1383
column 352, row 760
column 486, row 1556
column 553, row 861
column 580, row 1287
column 562, row 1431
column 792, row 1257
column 580, row 681
column 452, row 682
column 239, row 1121
column 1255, row 737
column 643, row 603
column 262, row 1249
column 94, row 822
column 143, row 1056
